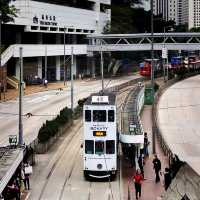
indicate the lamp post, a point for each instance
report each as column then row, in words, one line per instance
column 102, row 73
column 45, row 64
column 64, row 66
column 152, row 47
column 72, row 79
column 1, row 70
column 152, row 74
column 20, row 97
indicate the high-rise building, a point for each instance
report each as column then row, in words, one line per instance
column 40, row 28
column 193, row 14
column 168, row 9
column 181, row 11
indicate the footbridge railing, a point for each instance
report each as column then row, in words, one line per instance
column 142, row 41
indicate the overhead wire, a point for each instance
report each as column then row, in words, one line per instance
column 27, row 114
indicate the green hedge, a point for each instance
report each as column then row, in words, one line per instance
column 51, row 127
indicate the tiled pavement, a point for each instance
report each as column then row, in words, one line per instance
column 150, row 189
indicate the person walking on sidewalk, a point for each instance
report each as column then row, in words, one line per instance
column 141, row 164
column 167, row 178
column 157, row 167
column 138, row 183
column 146, row 144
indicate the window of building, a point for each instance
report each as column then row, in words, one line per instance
column 99, row 115
column 89, row 146
column 46, row 17
column 110, row 147
column 99, row 147
column 88, row 115
column 111, row 115
column 42, row 16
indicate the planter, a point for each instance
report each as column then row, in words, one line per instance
column 42, row 148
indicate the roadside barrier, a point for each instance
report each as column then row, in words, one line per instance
column 167, row 151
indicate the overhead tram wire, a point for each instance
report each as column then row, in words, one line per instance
column 27, row 114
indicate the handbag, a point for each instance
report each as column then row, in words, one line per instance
column 28, row 170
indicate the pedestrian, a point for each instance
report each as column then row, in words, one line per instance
column 141, row 164
column 132, row 155
column 28, row 171
column 157, row 167
column 146, row 144
column 167, row 178
column 45, row 83
column 15, row 190
column 138, row 183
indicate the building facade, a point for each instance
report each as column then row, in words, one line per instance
column 43, row 26
column 181, row 11
column 168, row 9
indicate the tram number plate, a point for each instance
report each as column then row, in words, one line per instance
column 99, row 133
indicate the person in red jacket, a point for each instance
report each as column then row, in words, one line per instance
column 138, row 183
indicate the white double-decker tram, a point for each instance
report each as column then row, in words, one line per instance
column 100, row 136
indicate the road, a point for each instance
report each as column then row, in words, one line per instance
column 45, row 105
column 178, row 119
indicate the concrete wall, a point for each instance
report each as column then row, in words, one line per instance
column 186, row 182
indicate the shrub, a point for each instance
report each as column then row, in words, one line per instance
column 43, row 134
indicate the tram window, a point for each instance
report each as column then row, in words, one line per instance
column 110, row 147
column 111, row 115
column 99, row 115
column 99, row 147
column 89, row 146
column 88, row 115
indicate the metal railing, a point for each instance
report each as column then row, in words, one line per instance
column 131, row 112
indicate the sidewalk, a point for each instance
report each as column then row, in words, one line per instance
column 30, row 89
column 150, row 189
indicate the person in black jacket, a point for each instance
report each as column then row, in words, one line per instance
column 157, row 167
column 141, row 164
column 167, row 178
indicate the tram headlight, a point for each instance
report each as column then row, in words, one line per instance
column 99, row 166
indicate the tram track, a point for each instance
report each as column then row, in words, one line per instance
column 71, row 170
column 58, row 158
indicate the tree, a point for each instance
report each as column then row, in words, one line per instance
column 8, row 12
column 195, row 29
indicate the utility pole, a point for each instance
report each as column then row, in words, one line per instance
column 20, row 97
column 45, row 64
column 152, row 46
column 1, row 70
column 164, row 56
column 102, row 75
column 152, row 73
column 72, row 84
column 64, row 66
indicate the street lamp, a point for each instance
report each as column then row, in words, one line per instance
column 102, row 73
column 1, row 71
column 152, row 75
column 20, row 97
column 64, row 66
column 72, row 79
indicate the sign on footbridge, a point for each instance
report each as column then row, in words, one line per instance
column 142, row 42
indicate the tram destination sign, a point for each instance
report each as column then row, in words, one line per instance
column 99, row 133
column 100, row 99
